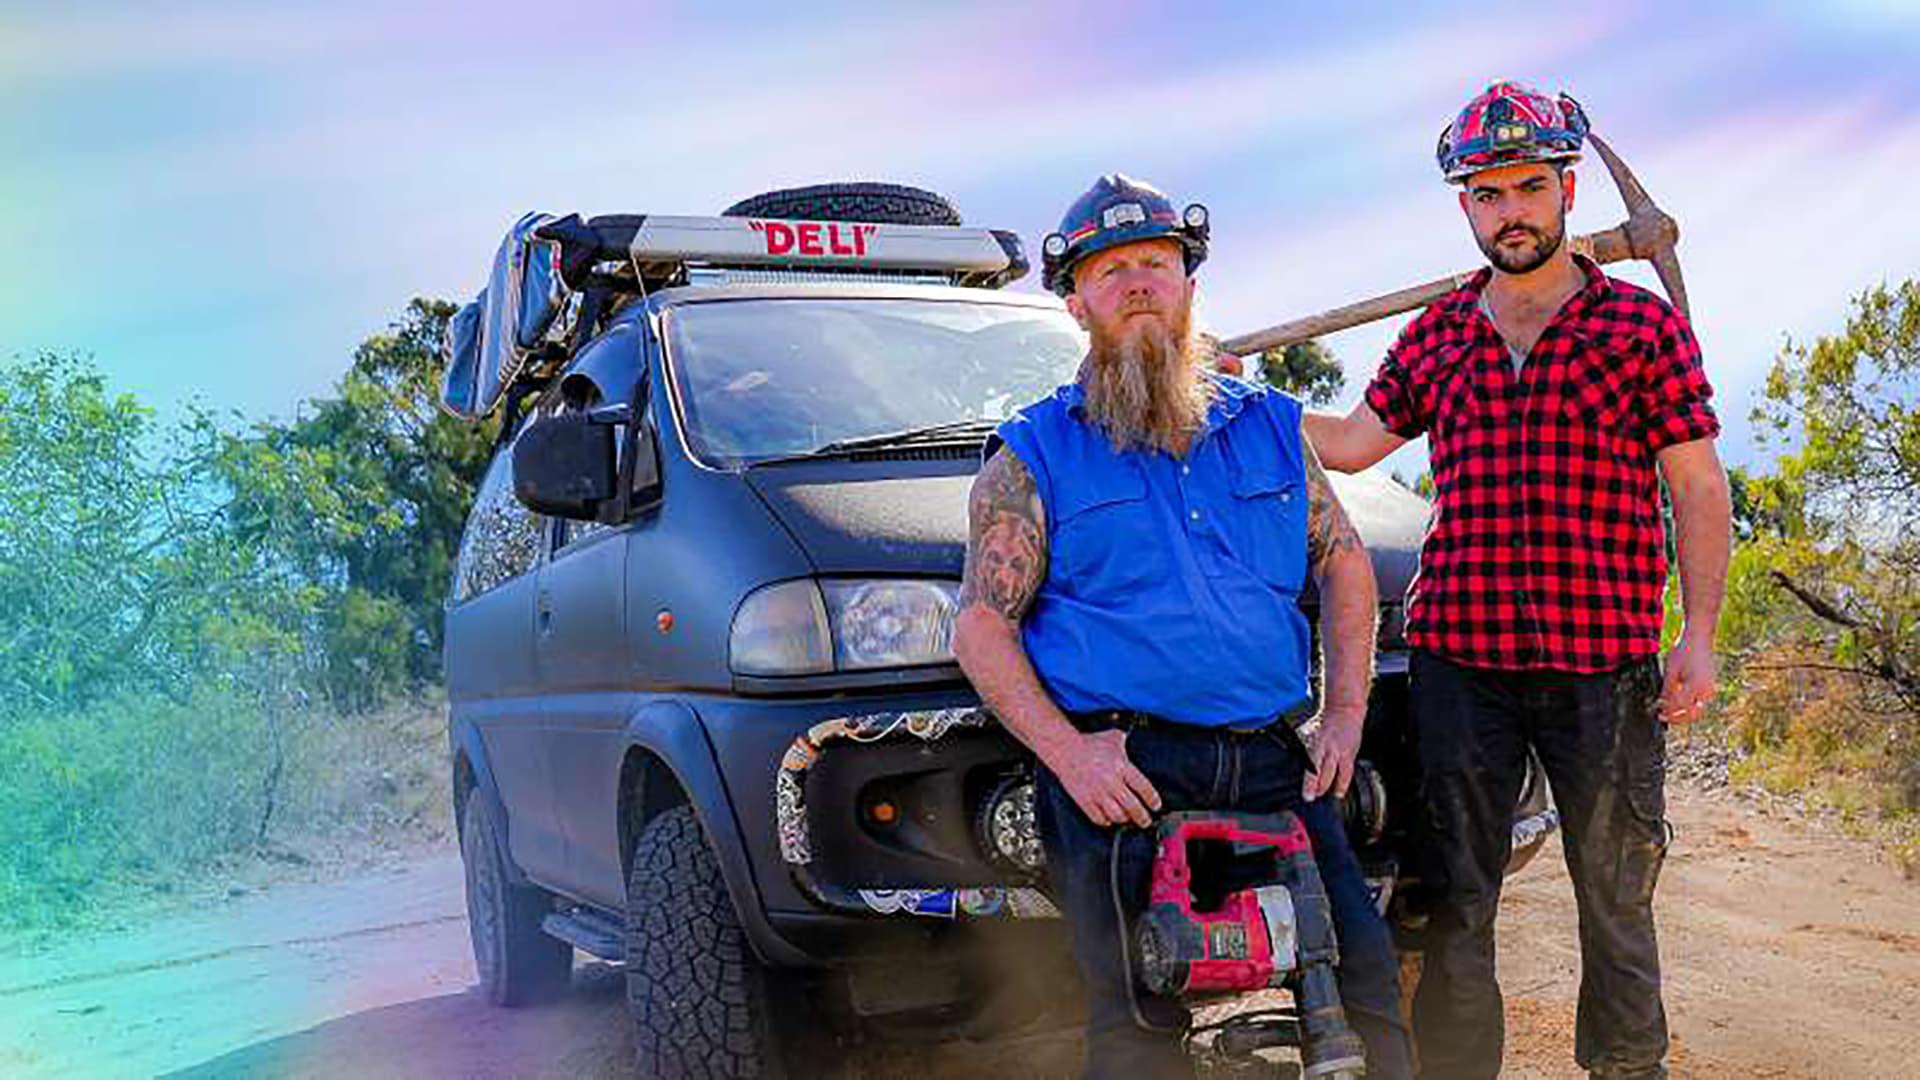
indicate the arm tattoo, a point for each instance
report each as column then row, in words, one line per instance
column 1007, row 539
column 1328, row 529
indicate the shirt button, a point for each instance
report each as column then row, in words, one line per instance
column 1185, row 470
column 1195, row 515
column 1286, row 496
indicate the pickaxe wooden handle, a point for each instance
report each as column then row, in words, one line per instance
column 1648, row 233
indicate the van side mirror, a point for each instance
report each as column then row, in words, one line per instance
column 563, row 466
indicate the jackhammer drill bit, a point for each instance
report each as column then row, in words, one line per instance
column 1329, row 1049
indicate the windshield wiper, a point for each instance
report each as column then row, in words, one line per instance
column 952, row 430
column 927, row 433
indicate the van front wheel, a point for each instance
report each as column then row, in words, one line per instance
column 697, row 995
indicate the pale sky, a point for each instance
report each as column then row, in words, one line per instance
column 218, row 202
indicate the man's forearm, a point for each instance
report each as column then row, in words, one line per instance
column 990, row 653
column 1349, row 602
column 1349, row 443
column 1703, row 521
column 1703, row 527
column 1348, row 595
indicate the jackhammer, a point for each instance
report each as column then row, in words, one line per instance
column 1236, row 905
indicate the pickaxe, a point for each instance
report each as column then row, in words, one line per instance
column 1648, row 233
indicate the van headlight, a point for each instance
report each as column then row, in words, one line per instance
column 898, row 623
column 808, row 627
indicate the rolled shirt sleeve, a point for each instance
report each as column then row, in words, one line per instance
column 1391, row 394
column 1678, row 396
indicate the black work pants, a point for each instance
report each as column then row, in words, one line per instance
column 1604, row 749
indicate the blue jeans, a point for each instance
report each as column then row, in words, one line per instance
column 1205, row 769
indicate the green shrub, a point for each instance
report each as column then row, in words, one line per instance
column 137, row 791
column 124, row 787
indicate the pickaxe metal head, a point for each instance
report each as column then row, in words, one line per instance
column 1651, row 232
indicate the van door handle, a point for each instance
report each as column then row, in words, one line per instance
column 543, row 609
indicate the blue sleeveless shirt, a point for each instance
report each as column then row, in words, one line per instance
column 1172, row 586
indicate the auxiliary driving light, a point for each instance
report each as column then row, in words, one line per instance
column 1006, row 829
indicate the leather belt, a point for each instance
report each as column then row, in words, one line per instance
column 1279, row 728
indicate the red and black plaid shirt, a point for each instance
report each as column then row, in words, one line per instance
column 1545, row 549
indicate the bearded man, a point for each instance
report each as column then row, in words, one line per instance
column 1555, row 399
column 1130, row 611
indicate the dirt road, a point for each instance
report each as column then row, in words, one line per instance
column 1790, row 954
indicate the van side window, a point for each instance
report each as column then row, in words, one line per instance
column 503, row 538
column 573, row 531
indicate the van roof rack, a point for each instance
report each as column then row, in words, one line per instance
column 554, row 278
column 613, row 248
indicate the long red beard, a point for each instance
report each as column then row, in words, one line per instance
column 1145, row 383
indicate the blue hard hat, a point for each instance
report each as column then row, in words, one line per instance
column 1119, row 210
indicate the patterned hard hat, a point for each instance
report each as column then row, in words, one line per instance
column 1511, row 124
column 1119, row 210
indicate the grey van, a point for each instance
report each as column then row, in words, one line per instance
column 705, row 721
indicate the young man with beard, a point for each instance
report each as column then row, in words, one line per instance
column 1130, row 611
column 1555, row 400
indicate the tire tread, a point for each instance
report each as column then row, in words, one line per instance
column 697, row 1008
column 887, row 204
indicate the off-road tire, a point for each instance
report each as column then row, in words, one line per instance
column 695, row 991
column 518, row 963
column 888, row 204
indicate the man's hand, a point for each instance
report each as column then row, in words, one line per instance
column 1103, row 783
column 1690, row 681
column 1334, row 747
column 1224, row 362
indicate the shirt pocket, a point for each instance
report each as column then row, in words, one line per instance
column 1103, row 542
column 1269, row 530
column 1456, row 393
column 1597, row 399
column 1599, row 388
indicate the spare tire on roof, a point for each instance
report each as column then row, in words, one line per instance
column 888, row 204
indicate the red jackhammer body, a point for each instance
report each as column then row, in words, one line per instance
column 1236, row 904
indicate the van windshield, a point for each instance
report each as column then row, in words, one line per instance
column 760, row 379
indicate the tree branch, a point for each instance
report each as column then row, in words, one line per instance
column 1814, row 602
column 1886, row 665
